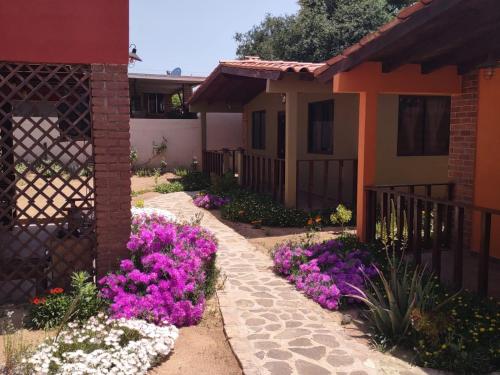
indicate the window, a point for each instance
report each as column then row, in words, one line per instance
column 156, row 103
column 320, row 130
column 424, row 125
column 259, row 130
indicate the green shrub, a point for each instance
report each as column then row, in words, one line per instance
column 181, row 171
column 146, row 172
column 21, row 168
column 248, row 207
column 341, row 216
column 169, row 187
column 227, row 185
column 50, row 311
column 193, row 181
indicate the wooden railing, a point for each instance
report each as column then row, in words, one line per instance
column 263, row 175
column 429, row 225
column 328, row 183
column 219, row 162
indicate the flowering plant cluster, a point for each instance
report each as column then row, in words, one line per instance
column 210, row 201
column 164, row 280
column 102, row 346
column 324, row 271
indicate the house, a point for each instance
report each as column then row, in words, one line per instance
column 422, row 102
column 160, row 114
column 64, row 142
column 161, row 95
column 310, row 164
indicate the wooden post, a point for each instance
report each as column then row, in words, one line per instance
column 291, row 150
column 484, row 255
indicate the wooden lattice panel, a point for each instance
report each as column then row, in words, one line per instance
column 47, row 218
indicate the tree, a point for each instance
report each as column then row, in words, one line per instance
column 320, row 29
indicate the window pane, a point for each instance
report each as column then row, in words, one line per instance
column 437, row 125
column 411, row 125
column 258, row 130
column 320, row 132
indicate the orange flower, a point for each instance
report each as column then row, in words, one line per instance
column 56, row 291
column 310, row 222
column 318, row 219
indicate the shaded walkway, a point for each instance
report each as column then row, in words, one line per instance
column 272, row 328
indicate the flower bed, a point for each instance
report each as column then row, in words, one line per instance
column 210, row 201
column 324, row 271
column 102, row 346
column 170, row 271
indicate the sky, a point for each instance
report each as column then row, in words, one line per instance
column 194, row 34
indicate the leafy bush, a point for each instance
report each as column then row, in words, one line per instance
column 326, row 272
column 181, row 171
column 21, row 168
column 146, row 172
column 193, row 181
column 248, row 207
column 169, row 187
column 50, row 311
column 341, row 216
column 165, row 280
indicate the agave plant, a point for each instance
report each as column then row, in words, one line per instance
column 391, row 301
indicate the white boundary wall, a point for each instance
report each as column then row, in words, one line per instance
column 224, row 130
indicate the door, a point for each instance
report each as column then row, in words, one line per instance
column 281, row 134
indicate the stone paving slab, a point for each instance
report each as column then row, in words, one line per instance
column 272, row 327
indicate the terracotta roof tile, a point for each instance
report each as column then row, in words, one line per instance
column 281, row 66
column 408, row 11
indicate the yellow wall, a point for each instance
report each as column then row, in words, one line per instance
column 393, row 169
column 345, row 124
column 345, row 137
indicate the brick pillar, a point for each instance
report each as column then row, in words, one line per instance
column 111, row 132
column 463, row 130
column 187, row 93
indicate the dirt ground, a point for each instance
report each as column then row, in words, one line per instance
column 202, row 349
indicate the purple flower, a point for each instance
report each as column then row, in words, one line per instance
column 324, row 271
column 210, row 201
column 164, row 283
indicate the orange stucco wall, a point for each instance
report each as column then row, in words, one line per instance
column 487, row 171
column 369, row 81
column 62, row 31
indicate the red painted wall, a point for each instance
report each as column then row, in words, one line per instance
column 64, row 31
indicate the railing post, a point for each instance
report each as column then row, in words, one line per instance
column 325, row 182
column 484, row 255
column 458, row 268
column 310, row 184
column 417, row 227
column 341, row 167
column 354, row 184
column 436, row 237
column 371, row 215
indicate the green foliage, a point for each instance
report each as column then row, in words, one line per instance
column 320, row 30
column 139, row 203
column 341, row 216
column 225, row 185
column 192, row 181
column 52, row 310
column 21, row 168
column 169, row 187
column 463, row 337
column 249, row 207
column 133, row 156
column 177, row 100
column 181, row 171
column 392, row 298
column 212, row 277
column 146, row 172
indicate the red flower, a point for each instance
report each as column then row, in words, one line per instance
column 38, row 301
column 56, row 291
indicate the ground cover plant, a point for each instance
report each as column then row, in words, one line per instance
column 210, row 201
column 101, row 346
column 327, row 272
column 170, row 271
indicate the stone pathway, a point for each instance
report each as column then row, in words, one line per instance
column 273, row 328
